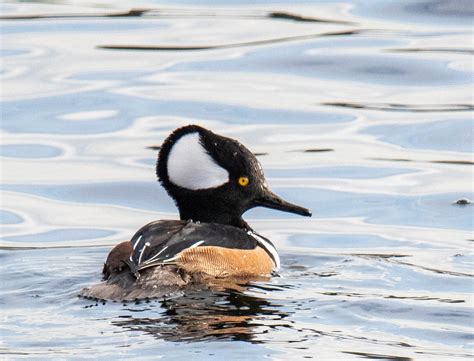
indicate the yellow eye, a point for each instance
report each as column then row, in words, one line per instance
column 243, row 181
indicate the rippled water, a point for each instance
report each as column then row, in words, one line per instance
column 360, row 110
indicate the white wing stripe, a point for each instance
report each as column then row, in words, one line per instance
column 135, row 244
column 155, row 256
column 197, row 244
column 143, row 251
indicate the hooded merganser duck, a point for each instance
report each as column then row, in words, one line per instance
column 213, row 181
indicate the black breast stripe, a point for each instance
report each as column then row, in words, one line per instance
column 268, row 247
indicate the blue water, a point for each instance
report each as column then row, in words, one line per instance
column 373, row 67
column 362, row 113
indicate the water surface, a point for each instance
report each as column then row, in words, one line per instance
column 359, row 110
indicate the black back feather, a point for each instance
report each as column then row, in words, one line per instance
column 160, row 241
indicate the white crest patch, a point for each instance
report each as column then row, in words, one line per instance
column 191, row 167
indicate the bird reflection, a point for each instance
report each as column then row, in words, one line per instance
column 222, row 312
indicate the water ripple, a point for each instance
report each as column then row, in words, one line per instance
column 356, row 109
column 405, row 107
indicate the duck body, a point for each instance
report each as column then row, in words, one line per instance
column 213, row 180
column 214, row 249
column 165, row 256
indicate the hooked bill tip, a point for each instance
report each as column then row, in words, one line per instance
column 308, row 213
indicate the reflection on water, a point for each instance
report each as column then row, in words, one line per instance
column 306, row 59
column 360, row 110
column 204, row 315
column 221, row 46
column 406, row 107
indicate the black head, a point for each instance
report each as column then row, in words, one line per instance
column 213, row 178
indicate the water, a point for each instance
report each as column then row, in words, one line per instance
column 360, row 111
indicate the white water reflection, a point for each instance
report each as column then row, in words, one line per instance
column 92, row 115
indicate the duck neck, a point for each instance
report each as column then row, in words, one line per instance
column 210, row 216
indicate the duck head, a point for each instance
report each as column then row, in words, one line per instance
column 214, row 178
